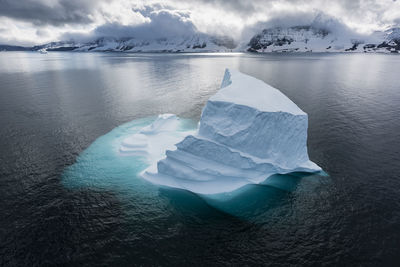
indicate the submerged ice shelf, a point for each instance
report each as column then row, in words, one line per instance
column 248, row 131
column 153, row 140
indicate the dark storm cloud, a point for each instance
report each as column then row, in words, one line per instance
column 40, row 12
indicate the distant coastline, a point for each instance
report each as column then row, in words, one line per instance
column 296, row 39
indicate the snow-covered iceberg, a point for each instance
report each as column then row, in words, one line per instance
column 248, row 131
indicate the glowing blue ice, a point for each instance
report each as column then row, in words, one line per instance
column 109, row 162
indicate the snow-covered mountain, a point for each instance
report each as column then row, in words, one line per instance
column 315, row 39
column 190, row 43
column 277, row 39
column 309, row 38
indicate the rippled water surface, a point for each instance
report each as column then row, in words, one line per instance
column 66, row 199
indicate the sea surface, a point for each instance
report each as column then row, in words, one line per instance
column 67, row 197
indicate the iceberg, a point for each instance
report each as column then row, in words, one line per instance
column 248, row 131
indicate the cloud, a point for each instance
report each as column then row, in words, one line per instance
column 163, row 23
column 42, row 12
column 314, row 18
column 44, row 20
column 160, row 23
column 236, row 6
column 42, row 32
column 361, row 15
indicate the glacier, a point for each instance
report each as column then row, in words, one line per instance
column 248, row 132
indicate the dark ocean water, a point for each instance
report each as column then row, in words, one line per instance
column 64, row 202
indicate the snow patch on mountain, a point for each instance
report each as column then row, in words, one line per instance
column 314, row 39
column 185, row 43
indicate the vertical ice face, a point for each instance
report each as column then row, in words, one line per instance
column 248, row 131
column 255, row 118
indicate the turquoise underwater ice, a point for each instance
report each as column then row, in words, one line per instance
column 102, row 167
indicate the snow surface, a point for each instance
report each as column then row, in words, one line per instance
column 248, row 91
column 152, row 141
column 248, row 131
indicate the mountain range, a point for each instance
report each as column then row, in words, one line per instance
column 198, row 42
column 304, row 38
column 314, row 39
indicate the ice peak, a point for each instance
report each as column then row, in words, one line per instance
column 242, row 89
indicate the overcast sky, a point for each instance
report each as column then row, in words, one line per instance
column 27, row 22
